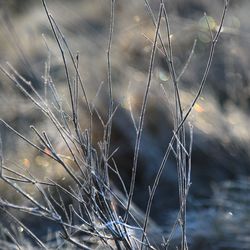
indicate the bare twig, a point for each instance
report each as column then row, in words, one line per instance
column 203, row 80
column 142, row 115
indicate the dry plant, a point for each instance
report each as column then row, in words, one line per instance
column 98, row 214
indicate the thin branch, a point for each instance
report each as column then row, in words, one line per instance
column 142, row 115
column 29, row 232
column 164, row 160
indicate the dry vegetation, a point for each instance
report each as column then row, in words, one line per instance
column 130, row 126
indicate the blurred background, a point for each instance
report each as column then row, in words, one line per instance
column 219, row 200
